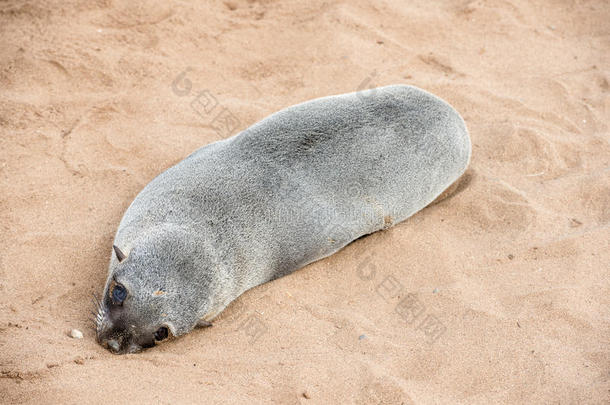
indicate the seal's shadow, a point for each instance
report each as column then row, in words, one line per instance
column 457, row 187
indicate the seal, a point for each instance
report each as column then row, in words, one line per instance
column 291, row 189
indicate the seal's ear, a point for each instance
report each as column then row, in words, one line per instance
column 203, row 324
column 119, row 255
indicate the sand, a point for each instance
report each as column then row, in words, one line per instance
column 498, row 294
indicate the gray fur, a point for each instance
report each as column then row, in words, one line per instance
column 292, row 189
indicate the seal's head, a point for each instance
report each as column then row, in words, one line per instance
column 150, row 295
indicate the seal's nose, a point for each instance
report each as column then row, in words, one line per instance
column 114, row 346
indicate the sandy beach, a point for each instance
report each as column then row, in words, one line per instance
column 499, row 294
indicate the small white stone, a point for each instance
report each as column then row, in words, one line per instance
column 76, row 334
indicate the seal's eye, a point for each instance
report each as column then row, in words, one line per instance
column 119, row 293
column 161, row 333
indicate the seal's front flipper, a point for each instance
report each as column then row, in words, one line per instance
column 203, row 324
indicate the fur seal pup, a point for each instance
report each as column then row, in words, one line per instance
column 291, row 189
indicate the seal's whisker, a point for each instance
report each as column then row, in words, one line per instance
column 99, row 312
column 96, row 309
column 96, row 301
